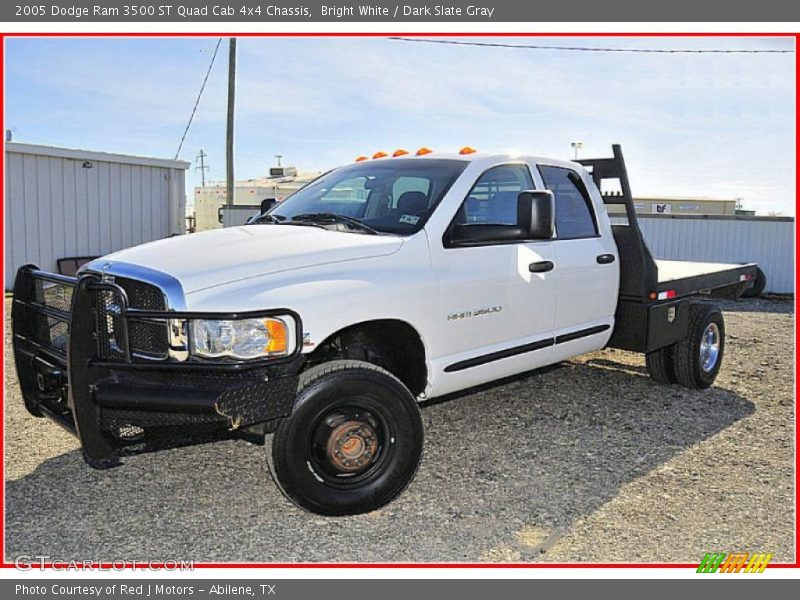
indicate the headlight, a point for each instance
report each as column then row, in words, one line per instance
column 244, row 338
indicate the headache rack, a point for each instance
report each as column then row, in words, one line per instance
column 638, row 271
column 652, row 311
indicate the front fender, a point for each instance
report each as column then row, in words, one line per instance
column 331, row 297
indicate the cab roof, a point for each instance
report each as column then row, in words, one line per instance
column 484, row 157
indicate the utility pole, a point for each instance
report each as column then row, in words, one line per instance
column 203, row 167
column 229, row 187
column 279, row 157
column 576, row 146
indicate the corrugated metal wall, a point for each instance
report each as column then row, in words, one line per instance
column 767, row 241
column 61, row 202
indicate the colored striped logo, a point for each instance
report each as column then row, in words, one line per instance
column 735, row 562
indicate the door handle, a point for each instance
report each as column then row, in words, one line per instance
column 605, row 259
column 543, row 266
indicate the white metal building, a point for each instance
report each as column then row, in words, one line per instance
column 62, row 202
column 681, row 205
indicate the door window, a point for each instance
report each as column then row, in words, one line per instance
column 493, row 198
column 574, row 216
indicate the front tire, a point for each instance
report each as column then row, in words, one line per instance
column 353, row 442
column 698, row 358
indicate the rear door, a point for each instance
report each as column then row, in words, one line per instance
column 586, row 262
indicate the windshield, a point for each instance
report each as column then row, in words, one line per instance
column 389, row 196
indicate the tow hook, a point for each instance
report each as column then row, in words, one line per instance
column 48, row 376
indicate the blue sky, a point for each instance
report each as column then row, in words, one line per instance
column 710, row 124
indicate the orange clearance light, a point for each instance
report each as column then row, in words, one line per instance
column 400, row 152
column 277, row 336
column 467, row 150
column 379, row 155
column 423, row 151
column 361, row 159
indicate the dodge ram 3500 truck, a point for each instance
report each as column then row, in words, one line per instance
column 320, row 327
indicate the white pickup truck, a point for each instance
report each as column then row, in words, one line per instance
column 321, row 326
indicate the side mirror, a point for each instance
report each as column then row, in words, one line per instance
column 536, row 214
column 268, row 203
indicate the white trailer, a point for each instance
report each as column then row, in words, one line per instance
column 210, row 201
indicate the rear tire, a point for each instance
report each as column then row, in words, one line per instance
column 698, row 358
column 353, row 442
column 660, row 366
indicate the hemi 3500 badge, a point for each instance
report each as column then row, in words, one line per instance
column 478, row 312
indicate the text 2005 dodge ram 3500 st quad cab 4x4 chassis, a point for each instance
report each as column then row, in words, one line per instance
column 322, row 323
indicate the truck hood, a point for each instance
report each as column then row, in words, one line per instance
column 213, row 258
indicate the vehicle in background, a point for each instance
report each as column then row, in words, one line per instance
column 281, row 182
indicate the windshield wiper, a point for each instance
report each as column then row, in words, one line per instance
column 334, row 218
column 268, row 218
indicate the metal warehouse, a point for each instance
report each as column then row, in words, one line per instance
column 62, row 202
column 682, row 205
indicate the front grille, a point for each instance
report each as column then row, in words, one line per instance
column 144, row 296
column 148, row 339
column 110, row 326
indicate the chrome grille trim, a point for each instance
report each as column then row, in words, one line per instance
column 174, row 300
column 171, row 287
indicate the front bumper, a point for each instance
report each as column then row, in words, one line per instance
column 75, row 366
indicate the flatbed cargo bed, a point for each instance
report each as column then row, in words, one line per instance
column 683, row 278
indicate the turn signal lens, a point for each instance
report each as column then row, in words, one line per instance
column 400, row 152
column 362, row 158
column 467, row 150
column 277, row 337
column 379, row 155
column 423, row 151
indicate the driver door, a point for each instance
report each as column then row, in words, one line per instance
column 497, row 299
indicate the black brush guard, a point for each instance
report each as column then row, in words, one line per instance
column 76, row 366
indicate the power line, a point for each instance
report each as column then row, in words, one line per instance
column 597, row 49
column 199, row 95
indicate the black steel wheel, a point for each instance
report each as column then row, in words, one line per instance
column 353, row 442
column 698, row 358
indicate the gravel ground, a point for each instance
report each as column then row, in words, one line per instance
column 590, row 461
